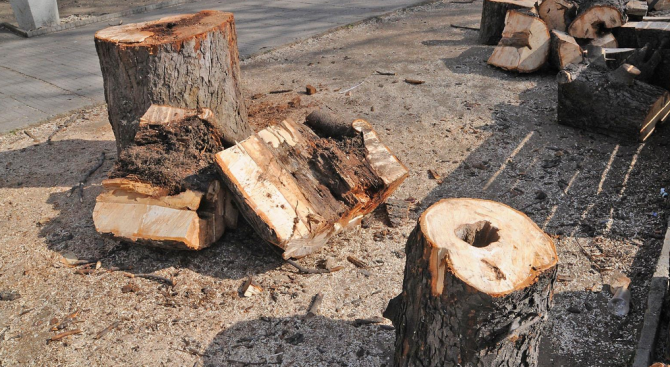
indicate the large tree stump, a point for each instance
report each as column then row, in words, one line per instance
column 187, row 61
column 478, row 283
column 493, row 18
column 524, row 46
column 594, row 98
column 164, row 190
column 297, row 189
column 596, row 17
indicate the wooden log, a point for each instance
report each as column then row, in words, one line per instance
column 646, row 59
column 636, row 10
column 626, row 36
column 652, row 33
column 614, row 57
column 558, row 14
column 297, row 189
column 564, row 50
column 478, row 285
column 164, row 190
column 188, row 61
column 658, row 5
column 661, row 76
column 596, row 17
column 607, row 40
column 589, row 98
column 524, row 46
column 494, row 13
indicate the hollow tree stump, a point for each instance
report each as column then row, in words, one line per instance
column 478, row 283
column 493, row 18
column 596, row 17
column 187, row 61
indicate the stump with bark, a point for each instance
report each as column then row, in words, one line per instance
column 595, row 98
column 187, row 61
column 558, row 14
column 298, row 189
column 493, row 18
column 478, row 284
column 564, row 50
column 524, row 46
column 164, row 190
column 596, row 17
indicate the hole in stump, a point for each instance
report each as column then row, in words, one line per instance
column 478, row 234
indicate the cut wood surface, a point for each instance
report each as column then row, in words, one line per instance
column 297, row 189
column 493, row 17
column 595, row 17
column 652, row 33
column 164, row 191
column 558, row 14
column 590, row 98
column 564, row 50
column 478, row 284
column 188, row 61
column 524, row 46
column 616, row 56
column 636, row 9
column 607, row 40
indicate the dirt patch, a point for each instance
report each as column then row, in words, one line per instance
column 270, row 109
column 176, row 156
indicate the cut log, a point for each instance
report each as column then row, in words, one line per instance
column 626, row 35
column 558, row 14
column 187, row 61
column 646, row 59
column 617, row 56
column 653, row 33
column 494, row 13
column 478, row 284
column 658, row 5
column 564, row 50
column 590, row 98
column 164, row 190
column 596, row 17
column 605, row 41
column 636, row 10
column 524, row 46
column 297, row 189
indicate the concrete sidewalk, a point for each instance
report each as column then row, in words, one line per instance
column 49, row 75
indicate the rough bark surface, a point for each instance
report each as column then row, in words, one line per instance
column 596, row 17
column 188, row 61
column 589, row 99
column 493, row 18
column 465, row 326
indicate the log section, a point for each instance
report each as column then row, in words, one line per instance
column 558, row 14
column 564, row 50
column 524, row 46
column 596, row 17
column 493, row 18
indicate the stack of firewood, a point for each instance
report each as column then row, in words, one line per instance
column 613, row 57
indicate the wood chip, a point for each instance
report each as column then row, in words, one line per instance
column 314, row 306
column 65, row 334
column 357, row 262
column 414, row 81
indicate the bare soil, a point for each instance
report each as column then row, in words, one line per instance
column 486, row 133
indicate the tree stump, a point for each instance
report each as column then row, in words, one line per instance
column 558, row 14
column 187, row 61
column 493, row 18
column 596, row 17
column 478, row 283
column 564, row 50
column 525, row 42
column 613, row 103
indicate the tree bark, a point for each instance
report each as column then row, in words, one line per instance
column 297, row 189
column 626, row 36
column 596, row 17
column 478, row 284
column 493, row 18
column 591, row 98
column 524, row 46
column 187, row 61
column 558, row 14
column 564, row 50
column 654, row 34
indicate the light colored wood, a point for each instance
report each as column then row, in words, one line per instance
column 286, row 200
column 658, row 4
column 564, row 50
column 189, row 200
column 605, row 41
column 525, row 43
column 593, row 20
column 134, row 186
column 557, row 13
column 637, row 8
column 656, row 19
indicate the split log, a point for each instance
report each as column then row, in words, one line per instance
column 187, row 61
column 636, row 9
column 297, row 189
column 564, row 50
column 164, row 190
column 614, row 57
column 607, row 40
column 592, row 98
column 626, row 35
column 478, row 284
column 596, row 17
column 558, row 14
column 494, row 13
column 524, row 46
column 658, row 5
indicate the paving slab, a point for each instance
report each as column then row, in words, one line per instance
column 56, row 73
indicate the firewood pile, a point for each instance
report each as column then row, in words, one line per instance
column 189, row 162
column 613, row 57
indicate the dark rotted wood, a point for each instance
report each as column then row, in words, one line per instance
column 588, row 98
column 187, row 61
column 626, row 36
column 661, row 75
column 596, row 17
column 492, row 21
column 328, row 124
column 461, row 325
